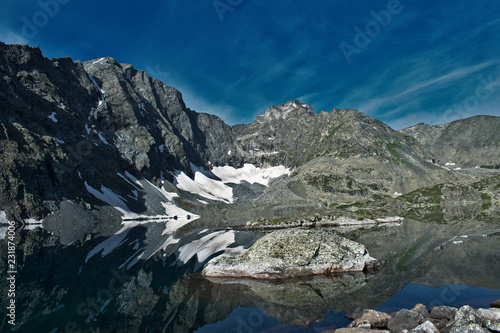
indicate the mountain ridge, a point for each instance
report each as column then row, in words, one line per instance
column 70, row 126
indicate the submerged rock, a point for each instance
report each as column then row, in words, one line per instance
column 293, row 253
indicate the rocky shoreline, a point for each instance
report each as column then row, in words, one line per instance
column 439, row 319
column 338, row 219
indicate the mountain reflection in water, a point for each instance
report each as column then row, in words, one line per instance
column 57, row 292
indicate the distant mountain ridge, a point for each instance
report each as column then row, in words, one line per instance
column 467, row 142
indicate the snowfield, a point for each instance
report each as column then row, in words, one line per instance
column 207, row 187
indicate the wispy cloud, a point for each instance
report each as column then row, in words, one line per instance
column 10, row 37
column 414, row 88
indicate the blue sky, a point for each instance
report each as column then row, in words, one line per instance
column 402, row 62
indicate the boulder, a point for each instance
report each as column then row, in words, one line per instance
column 371, row 319
column 420, row 308
column 443, row 312
column 466, row 315
column 495, row 304
column 494, row 326
column 427, row 327
column 292, row 253
column 485, row 316
column 489, row 318
column 356, row 330
column 404, row 320
column 470, row 328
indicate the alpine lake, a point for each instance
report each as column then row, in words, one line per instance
column 61, row 289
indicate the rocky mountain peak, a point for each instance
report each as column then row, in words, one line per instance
column 289, row 110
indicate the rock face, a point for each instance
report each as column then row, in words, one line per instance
column 63, row 122
column 293, row 253
column 466, row 142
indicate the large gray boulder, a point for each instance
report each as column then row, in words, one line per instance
column 292, row 253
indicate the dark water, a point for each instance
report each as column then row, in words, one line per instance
column 452, row 263
column 256, row 320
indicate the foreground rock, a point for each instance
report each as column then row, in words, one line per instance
column 371, row 319
column 442, row 319
column 292, row 253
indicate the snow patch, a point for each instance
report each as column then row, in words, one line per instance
column 229, row 153
column 87, row 128
column 450, row 164
column 143, row 107
column 161, row 148
column 60, row 141
column 3, row 230
column 95, row 83
column 458, row 242
column 397, row 194
column 128, row 181
column 174, row 219
column 33, row 221
column 249, row 173
column 206, row 246
column 168, row 195
column 111, row 243
column 134, row 179
column 204, row 187
column 217, row 190
column 98, row 61
column 3, row 218
column 112, row 199
column 53, row 117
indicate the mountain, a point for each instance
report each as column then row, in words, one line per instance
column 338, row 156
column 107, row 143
column 462, row 143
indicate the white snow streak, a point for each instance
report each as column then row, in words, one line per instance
column 95, row 83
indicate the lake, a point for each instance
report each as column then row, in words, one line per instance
column 63, row 289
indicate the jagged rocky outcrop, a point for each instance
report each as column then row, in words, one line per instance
column 466, row 142
column 293, row 253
